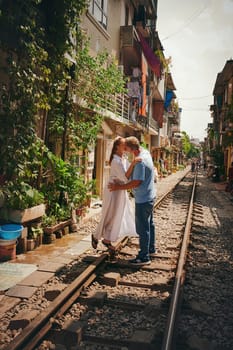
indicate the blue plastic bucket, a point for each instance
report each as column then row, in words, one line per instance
column 10, row 231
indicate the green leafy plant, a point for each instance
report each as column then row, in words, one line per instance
column 34, row 232
column 64, row 190
column 48, row 221
column 37, row 100
column 21, row 196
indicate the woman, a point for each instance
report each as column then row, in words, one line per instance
column 117, row 218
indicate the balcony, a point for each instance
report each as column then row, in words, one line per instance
column 173, row 119
column 116, row 106
column 153, row 124
column 119, row 108
column 130, row 48
column 213, row 108
column 227, row 125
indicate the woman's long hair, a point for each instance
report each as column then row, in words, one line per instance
column 116, row 143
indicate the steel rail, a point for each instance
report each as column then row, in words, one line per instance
column 34, row 332
column 179, row 279
column 160, row 200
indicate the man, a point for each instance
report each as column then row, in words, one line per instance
column 142, row 184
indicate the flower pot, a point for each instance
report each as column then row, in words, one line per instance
column 21, row 216
column 39, row 240
column 31, row 244
column 80, row 211
column 8, row 251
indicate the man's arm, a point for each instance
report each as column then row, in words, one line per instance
column 128, row 186
column 131, row 167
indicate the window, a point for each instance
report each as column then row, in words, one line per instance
column 98, row 9
column 126, row 15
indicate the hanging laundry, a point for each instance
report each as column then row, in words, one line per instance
column 133, row 89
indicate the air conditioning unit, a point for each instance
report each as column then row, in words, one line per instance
column 126, row 36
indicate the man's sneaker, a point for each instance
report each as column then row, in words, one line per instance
column 138, row 261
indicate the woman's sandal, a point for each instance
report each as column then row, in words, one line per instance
column 94, row 242
column 109, row 246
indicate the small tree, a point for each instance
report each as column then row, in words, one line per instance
column 188, row 148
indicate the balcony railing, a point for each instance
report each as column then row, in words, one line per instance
column 117, row 104
column 118, row 107
column 153, row 124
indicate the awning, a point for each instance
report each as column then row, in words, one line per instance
column 169, row 96
column 152, row 60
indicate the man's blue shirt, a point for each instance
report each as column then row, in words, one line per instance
column 144, row 171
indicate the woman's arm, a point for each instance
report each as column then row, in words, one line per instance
column 132, row 164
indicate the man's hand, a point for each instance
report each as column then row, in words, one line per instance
column 137, row 160
column 113, row 186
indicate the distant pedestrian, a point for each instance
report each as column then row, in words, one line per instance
column 117, row 217
column 193, row 166
column 142, row 183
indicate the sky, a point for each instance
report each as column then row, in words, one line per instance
column 198, row 35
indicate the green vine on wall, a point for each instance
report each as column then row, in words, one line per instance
column 38, row 84
column 31, row 74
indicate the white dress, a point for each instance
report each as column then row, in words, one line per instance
column 118, row 218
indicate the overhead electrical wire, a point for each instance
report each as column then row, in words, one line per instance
column 190, row 109
column 194, row 98
column 190, row 20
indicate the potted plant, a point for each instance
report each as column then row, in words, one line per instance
column 35, row 235
column 23, row 203
column 48, row 222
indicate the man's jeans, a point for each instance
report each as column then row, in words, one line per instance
column 145, row 228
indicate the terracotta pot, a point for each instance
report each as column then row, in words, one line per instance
column 31, row 244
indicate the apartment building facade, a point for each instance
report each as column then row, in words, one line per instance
column 221, row 131
column 127, row 31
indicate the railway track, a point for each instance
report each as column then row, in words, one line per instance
column 112, row 304
column 101, row 302
column 205, row 318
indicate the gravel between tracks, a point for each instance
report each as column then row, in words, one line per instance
column 38, row 302
column 213, row 259
column 207, row 322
